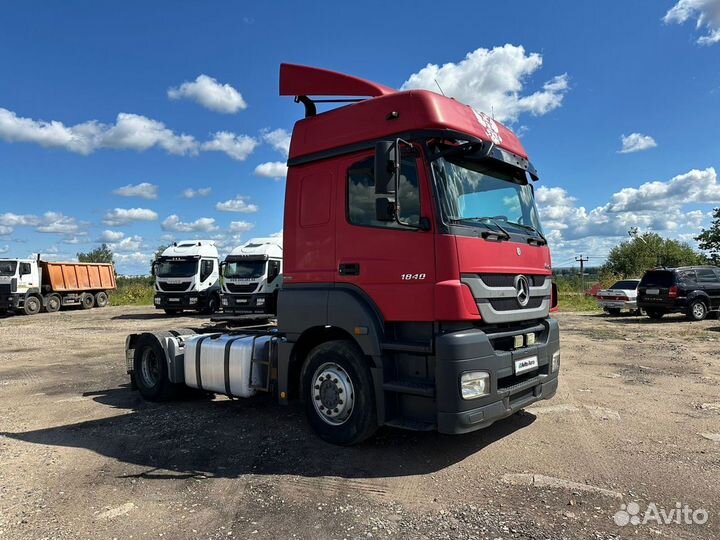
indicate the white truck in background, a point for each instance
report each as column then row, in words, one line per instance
column 252, row 277
column 187, row 277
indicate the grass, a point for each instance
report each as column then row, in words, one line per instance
column 568, row 301
column 136, row 291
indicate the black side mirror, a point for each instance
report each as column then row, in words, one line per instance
column 153, row 268
column 386, row 167
column 385, row 209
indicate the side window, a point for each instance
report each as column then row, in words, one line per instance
column 686, row 276
column 206, row 269
column 706, row 275
column 24, row 269
column 361, row 194
column 273, row 270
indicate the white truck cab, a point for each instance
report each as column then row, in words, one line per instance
column 252, row 277
column 18, row 279
column 187, row 277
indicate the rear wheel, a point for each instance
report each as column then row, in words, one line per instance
column 32, row 305
column 53, row 303
column 697, row 310
column 87, row 301
column 101, row 299
column 614, row 311
column 151, row 370
column 655, row 313
column 338, row 393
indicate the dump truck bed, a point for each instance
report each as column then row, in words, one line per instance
column 71, row 276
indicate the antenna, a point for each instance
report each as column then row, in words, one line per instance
column 440, row 87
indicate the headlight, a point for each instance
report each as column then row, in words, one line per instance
column 474, row 384
column 260, row 302
column 157, row 301
column 193, row 300
column 224, row 301
column 555, row 362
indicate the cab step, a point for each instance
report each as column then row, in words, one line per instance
column 414, row 388
column 410, row 424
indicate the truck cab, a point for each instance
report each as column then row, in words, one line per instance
column 252, row 277
column 19, row 279
column 187, row 277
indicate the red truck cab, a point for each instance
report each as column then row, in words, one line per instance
column 416, row 274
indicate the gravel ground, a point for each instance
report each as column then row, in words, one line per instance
column 636, row 419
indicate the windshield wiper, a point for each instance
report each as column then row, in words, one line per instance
column 532, row 229
column 503, row 234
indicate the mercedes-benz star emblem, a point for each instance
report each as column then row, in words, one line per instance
column 522, row 290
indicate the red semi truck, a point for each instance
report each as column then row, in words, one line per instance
column 417, row 281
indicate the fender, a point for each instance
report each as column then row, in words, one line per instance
column 694, row 295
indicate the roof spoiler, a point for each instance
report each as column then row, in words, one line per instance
column 303, row 81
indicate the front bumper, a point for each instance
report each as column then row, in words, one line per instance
column 617, row 304
column 184, row 300
column 248, row 303
column 9, row 301
column 474, row 350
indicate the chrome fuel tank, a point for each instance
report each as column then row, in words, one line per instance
column 223, row 363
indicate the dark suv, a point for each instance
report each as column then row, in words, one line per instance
column 693, row 290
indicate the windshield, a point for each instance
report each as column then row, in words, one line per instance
column 472, row 193
column 7, row 268
column 180, row 268
column 245, row 269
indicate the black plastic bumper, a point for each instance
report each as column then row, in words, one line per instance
column 663, row 304
column 181, row 300
column 473, row 350
column 242, row 304
column 9, row 301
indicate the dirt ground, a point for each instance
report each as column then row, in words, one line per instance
column 636, row 419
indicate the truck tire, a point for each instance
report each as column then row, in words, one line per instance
column 53, row 303
column 87, row 301
column 212, row 306
column 697, row 310
column 101, row 299
column 32, row 305
column 656, row 314
column 339, row 394
column 150, row 370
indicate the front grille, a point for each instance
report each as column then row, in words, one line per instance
column 514, row 383
column 508, row 304
column 174, row 287
column 241, row 288
column 508, row 280
column 5, row 288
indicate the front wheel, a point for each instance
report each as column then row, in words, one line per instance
column 338, row 393
column 697, row 310
column 32, row 305
column 150, row 370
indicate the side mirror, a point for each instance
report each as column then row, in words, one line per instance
column 153, row 268
column 223, row 264
column 386, row 167
column 385, row 209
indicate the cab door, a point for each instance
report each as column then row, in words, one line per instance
column 393, row 264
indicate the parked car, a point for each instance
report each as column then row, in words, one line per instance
column 693, row 290
column 621, row 296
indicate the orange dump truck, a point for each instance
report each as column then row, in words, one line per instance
column 30, row 285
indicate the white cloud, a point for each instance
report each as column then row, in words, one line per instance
column 191, row 193
column 133, row 263
column 131, row 243
column 18, row 220
column 238, row 147
column 75, row 240
column 143, row 189
column 111, row 236
column 636, row 142
column 4, row 249
column 659, row 206
column 173, row 223
column 707, row 13
column 279, row 139
column 57, row 223
column 240, row 226
column 238, row 204
column 493, row 80
column 5, row 230
column 130, row 132
column 272, row 169
column 209, row 93
column 123, row 216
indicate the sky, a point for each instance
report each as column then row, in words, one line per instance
column 137, row 123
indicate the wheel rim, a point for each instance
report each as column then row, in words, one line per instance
column 150, row 367
column 698, row 310
column 333, row 394
column 53, row 304
column 32, row 304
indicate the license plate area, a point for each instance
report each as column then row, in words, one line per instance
column 652, row 291
column 523, row 365
column 173, row 299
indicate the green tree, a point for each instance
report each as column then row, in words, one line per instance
column 102, row 254
column 632, row 258
column 710, row 238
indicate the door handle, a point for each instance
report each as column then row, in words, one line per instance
column 349, row 269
